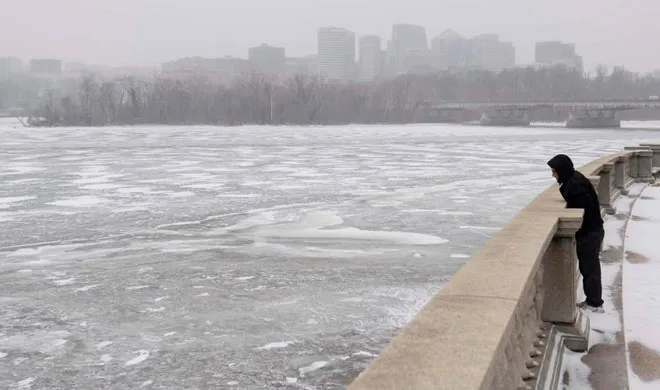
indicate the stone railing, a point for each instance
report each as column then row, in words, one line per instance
column 505, row 318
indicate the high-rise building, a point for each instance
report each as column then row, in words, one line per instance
column 452, row 49
column 336, row 54
column 267, row 59
column 506, row 56
column 557, row 53
column 409, row 36
column 405, row 37
column 9, row 66
column 489, row 53
column 304, row 65
column 46, row 67
column 550, row 51
column 421, row 61
column 371, row 58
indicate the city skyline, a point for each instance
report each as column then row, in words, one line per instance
column 149, row 32
column 384, row 40
column 408, row 50
column 344, row 56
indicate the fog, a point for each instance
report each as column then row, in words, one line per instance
column 148, row 32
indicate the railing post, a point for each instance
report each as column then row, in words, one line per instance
column 634, row 159
column 620, row 175
column 560, row 283
column 633, row 164
column 604, row 188
column 655, row 149
column 644, row 166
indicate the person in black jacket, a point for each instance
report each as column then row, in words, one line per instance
column 579, row 193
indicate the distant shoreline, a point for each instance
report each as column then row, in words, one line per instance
column 15, row 122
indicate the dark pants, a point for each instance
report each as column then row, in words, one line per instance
column 588, row 253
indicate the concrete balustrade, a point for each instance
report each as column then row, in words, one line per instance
column 641, row 165
column 655, row 163
column 506, row 317
column 605, row 187
column 622, row 178
column 645, row 166
column 633, row 165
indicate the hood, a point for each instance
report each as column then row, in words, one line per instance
column 564, row 167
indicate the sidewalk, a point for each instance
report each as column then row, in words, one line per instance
column 625, row 357
column 641, row 285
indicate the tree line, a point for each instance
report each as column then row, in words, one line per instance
column 306, row 100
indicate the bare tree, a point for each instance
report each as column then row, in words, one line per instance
column 305, row 99
column 306, row 92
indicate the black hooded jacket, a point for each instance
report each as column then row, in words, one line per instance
column 578, row 192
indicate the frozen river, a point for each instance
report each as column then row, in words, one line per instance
column 245, row 258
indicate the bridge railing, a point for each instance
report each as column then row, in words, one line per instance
column 504, row 319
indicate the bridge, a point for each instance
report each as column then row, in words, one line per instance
column 508, row 319
column 582, row 114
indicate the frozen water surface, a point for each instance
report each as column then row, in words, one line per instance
column 251, row 258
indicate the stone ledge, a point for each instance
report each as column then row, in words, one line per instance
column 474, row 333
column 450, row 330
column 504, row 266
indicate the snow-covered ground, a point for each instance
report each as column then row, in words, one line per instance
column 606, row 340
column 624, row 350
column 641, row 298
column 251, row 258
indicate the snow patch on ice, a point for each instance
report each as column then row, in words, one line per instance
column 312, row 367
column 24, row 384
column 63, row 282
column 134, row 190
column 292, row 250
column 181, row 194
column 142, row 356
column 189, row 246
column 364, row 353
column 356, row 300
column 101, row 186
column 276, row 345
column 439, row 212
column 44, row 251
column 468, row 227
column 47, row 342
column 314, row 224
column 133, row 288
column 80, row 201
column 103, row 344
column 7, row 202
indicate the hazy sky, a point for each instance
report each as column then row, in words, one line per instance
column 131, row 32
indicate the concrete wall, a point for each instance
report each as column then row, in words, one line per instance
column 504, row 319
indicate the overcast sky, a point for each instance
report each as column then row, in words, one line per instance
column 135, row 32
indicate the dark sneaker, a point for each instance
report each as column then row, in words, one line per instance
column 596, row 309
